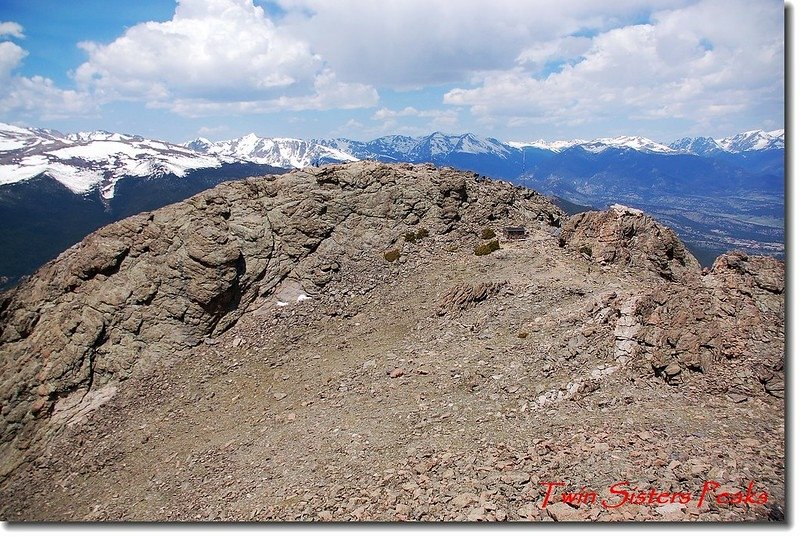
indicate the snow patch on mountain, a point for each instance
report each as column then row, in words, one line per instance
column 279, row 152
column 555, row 147
column 98, row 159
column 697, row 146
column 598, row 145
column 753, row 141
column 87, row 160
column 636, row 143
column 13, row 138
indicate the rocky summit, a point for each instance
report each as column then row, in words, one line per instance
column 373, row 342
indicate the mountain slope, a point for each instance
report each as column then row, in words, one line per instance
column 756, row 140
column 252, row 354
column 278, row 152
column 637, row 143
column 92, row 160
column 55, row 189
column 715, row 204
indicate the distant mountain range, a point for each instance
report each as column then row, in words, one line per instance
column 56, row 188
column 745, row 141
column 97, row 160
column 278, row 152
column 718, row 194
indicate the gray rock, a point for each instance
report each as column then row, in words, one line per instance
column 626, row 237
column 143, row 288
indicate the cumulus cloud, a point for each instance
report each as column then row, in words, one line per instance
column 410, row 111
column 410, row 120
column 563, row 49
column 613, row 65
column 702, row 63
column 35, row 95
column 412, row 43
column 11, row 29
column 10, row 57
column 215, row 56
column 40, row 97
column 328, row 93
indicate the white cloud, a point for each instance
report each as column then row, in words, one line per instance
column 11, row 29
column 33, row 96
column 216, row 56
column 397, row 120
column 384, row 113
column 327, row 94
column 699, row 63
column 411, row 43
column 561, row 49
column 210, row 131
column 629, row 65
column 10, row 57
column 409, row 111
column 40, row 97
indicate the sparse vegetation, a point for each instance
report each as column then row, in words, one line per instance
column 522, row 335
column 586, row 250
column 413, row 237
column 488, row 248
column 488, row 233
column 392, row 255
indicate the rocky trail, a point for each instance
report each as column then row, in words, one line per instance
column 309, row 377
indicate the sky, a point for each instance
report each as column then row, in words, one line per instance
column 515, row 70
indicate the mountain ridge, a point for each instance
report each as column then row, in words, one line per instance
column 327, row 344
column 85, row 160
column 93, row 160
column 722, row 199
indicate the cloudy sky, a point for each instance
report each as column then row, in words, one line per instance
column 511, row 69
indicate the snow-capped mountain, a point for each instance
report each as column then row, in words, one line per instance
column 555, row 147
column 98, row 159
column 431, row 148
column 756, row 140
column 88, row 160
column 637, row 143
column 14, row 138
column 439, row 144
column 702, row 145
column 747, row 141
column 278, row 152
column 753, row 141
column 598, row 145
column 386, row 148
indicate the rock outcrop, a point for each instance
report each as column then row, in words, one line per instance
column 254, row 353
column 464, row 295
column 627, row 237
column 142, row 288
column 729, row 324
column 729, row 318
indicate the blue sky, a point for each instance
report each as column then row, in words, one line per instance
column 510, row 69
